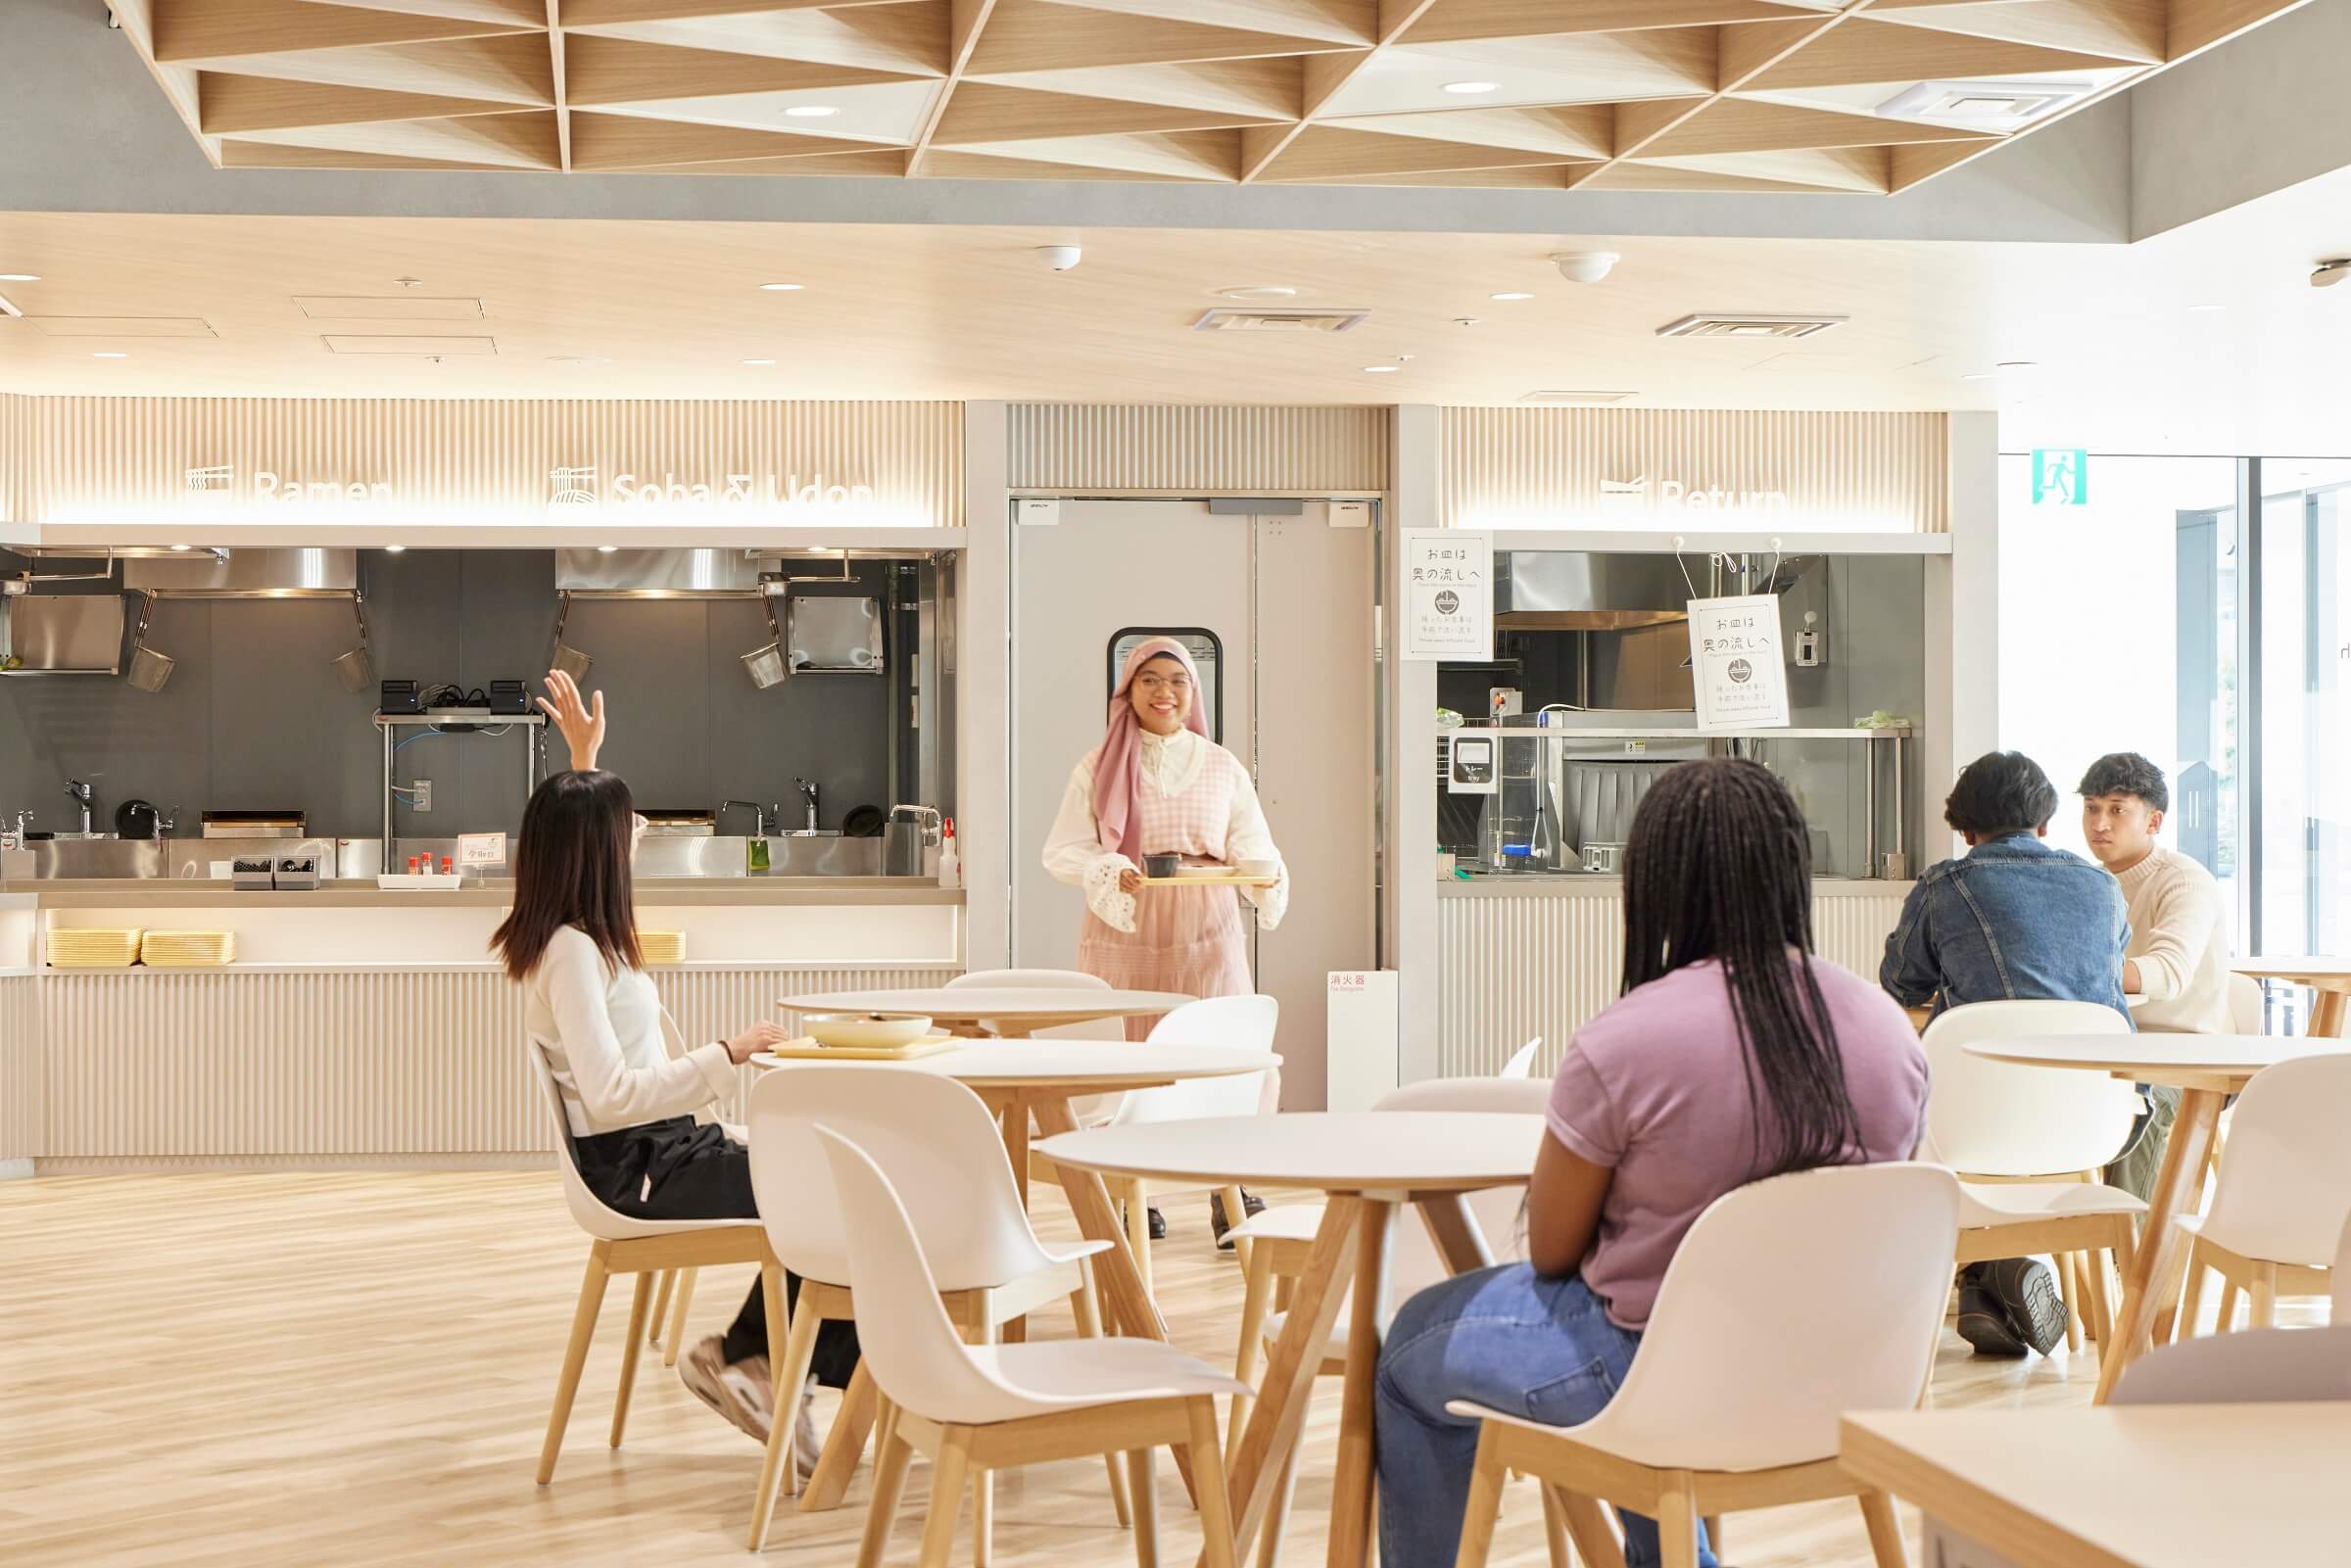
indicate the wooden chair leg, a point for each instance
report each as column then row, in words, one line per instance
column 791, row 1387
column 1554, row 1530
column 2068, row 1283
column 946, row 1498
column 575, row 1356
column 677, row 1316
column 844, row 1445
column 1085, row 1305
column 1253, row 1337
column 1884, row 1530
column 669, row 1281
column 2225, row 1323
column 1208, row 1480
column 1142, row 1474
column 1595, row 1538
column 1484, row 1506
column 1137, row 1199
column 1236, row 1210
column 2191, row 1297
column 1277, row 1512
column 2265, row 1297
column 1677, row 1521
column 640, row 1304
column 890, row 1481
column 983, row 1487
column 1714, row 1525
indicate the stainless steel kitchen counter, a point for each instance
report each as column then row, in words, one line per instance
column 1558, row 884
column 746, row 892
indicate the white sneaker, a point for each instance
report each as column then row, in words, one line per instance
column 739, row 1392
column 806, row 1446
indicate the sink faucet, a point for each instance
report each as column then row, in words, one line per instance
column 761, row 814
column 82, row 793
column 808, row 794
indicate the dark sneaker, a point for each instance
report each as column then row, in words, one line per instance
column 1983, row 1324
column 1217, row 1222
column 2027, row 1293
column 1159, row 1225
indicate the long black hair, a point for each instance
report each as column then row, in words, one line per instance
column 1720, row 866
column 571, row 867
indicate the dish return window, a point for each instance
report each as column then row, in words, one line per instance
column 1208, row 654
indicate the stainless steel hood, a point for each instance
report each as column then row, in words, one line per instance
column 660, row 573
column 1583, row 590
column 246, row 574
column 61, row 634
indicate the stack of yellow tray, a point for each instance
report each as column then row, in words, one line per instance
column 663, row 947
column 93, row 949
column 188, row 950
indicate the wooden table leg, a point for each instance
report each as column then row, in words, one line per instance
column 2327, row 1011
column 1350, row 1543
column 1451, row 1227
column 1016, row 1147
column 2158, row 1258
column 844, row 1445
column 1255, row 1467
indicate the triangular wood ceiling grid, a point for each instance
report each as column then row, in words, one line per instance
column 1671, row 95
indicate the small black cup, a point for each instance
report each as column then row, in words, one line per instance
column 1161, row 864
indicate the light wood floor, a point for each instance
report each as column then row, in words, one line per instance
column 266, row 1371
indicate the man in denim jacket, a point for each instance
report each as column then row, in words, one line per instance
column 2013, row 919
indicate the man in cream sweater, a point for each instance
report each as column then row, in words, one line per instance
column 2178, row 955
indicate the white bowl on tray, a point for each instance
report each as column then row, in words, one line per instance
column 1261, row 870
column 866, row 1031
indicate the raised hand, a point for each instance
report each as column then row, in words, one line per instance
column 582, row 721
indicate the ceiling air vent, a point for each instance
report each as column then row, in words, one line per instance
column 1280, row 318
column 1575, row 399
column 1988, row 105
column 1712, row 326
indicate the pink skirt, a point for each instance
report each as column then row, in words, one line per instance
column 1186, row 939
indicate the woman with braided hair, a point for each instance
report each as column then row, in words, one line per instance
column 1732, row 1054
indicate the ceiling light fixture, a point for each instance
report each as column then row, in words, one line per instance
column 759, row 362
column 782, row 288
column 1585, row 266
column 1379, row 369
column 19, row 277
column 606, row 549
column 811, row 112
column 2326, row 274
column 2208, row 306
column 395, row 549
column 109, row 353
column 1258, row 290
column 1468, row 89
column 1514, row 294
column 178, row 550
column 2018, row 364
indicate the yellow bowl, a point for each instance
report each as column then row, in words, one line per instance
column 866, row 1031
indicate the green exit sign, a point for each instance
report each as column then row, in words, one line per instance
column 2060, row 476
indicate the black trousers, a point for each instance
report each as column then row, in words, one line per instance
column 682, row 1169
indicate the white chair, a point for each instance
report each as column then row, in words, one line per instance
column 2028, row 1144
column 2260, row 1366
column 1235, row 1022
column 2244, row 1004
column 1091, row 1110
column 1281, row 1238
column 976, row 1409
column 1790, row 1301
column 1521, row 1064
column 619, row 1245
column 2280, row 1207
column 950, row 1160
column 2340, row 1307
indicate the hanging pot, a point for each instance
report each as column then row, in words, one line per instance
column 150, row 670
column 767, row 666
column 568, row 660
column 356, row 669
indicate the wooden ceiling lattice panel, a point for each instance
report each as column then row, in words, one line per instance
column 1807, row 96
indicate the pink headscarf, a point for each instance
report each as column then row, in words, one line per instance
column 1119, row 759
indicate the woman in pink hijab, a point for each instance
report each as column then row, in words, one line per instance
column 1158, row 785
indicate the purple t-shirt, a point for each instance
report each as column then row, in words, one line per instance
column 1656, row 1088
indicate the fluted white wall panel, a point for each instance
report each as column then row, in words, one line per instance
column 1197, row 450
column 284, row 1065
column 1517, row 966
column 1543, row 467
column 20, row 1068
column 462, row 461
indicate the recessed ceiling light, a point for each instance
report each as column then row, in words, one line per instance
column 409, row 283
column 109, row 353
column 1981, row 375
column 1513, row 294
column 181, row 548
column 1470, row 88
column 19, row 277
column 1259, row 291
column 1379, row 369
column 783, row 288
column 393, row 549
column 606, row 549
column 811, row 110
column 2018, row 364
column 759, row 362
column 2208, row 308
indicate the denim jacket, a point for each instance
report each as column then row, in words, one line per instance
column 2013, row 919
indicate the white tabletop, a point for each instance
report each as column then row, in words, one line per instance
column 1043, row 1003
column 1339, row 1151
column 2179, row 1486
column 2152, row 1058
column 1084, row 1066
column 2291, row 966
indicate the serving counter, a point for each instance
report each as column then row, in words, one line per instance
column 1530, row 953
column 360, row 1026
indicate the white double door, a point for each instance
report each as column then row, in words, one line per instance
column 1289, row 602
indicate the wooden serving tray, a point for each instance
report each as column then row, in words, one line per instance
column 806, row 1049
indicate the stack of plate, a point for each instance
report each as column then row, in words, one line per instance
column 93, row 949
column 188, row 950
column 663, row 947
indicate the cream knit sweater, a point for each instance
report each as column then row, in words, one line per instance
column 2179, row 941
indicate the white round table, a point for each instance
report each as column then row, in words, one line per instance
column 2206, row 1069
column 1372, row 1163
column 1007, row 1012
column 1020, row 1079
column 2329, row 979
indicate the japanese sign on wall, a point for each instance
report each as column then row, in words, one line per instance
column 1447, row 594
column 1735, row 663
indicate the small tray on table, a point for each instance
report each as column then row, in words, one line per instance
column 806, row 1049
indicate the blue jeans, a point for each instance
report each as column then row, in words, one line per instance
column 1511, row 1340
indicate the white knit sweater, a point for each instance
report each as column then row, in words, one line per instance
column 2179, row 941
